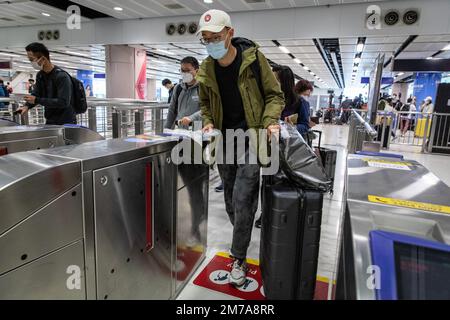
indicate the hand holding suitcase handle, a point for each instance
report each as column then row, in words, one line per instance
column 320, row 137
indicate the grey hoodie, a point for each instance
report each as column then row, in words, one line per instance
column 188, row 106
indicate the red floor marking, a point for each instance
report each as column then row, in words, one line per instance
column 216, row 277
column 189, row 258
column 321, row 291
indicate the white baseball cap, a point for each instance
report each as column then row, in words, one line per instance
column 214, row 21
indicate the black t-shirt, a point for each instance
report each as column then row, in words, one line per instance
column 233, row 108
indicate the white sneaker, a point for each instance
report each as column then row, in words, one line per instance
column 238, row 274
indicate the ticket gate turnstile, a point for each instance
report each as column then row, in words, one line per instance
column 90, row 221
column 395, row 242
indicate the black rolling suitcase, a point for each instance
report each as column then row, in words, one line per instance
column 328, row 157
column 290, row 238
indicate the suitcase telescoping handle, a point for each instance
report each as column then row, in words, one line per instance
column 320, row 137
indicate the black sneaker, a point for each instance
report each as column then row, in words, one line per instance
column 219, row 188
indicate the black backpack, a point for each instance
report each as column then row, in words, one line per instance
column 79, row 101
column 405, row 108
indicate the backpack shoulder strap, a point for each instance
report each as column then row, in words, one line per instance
column 176, row 96
column 256, row 69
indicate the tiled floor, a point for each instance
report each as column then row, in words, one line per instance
column 220, row 230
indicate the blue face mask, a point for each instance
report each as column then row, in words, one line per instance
column 217, row 50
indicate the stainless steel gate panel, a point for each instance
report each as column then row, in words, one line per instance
column 101, row 154
column 126, row 267
column 14, row 146
column 192, row 220
column 47, row 278
column 29, row 181
column 363, row 216
column 79, row 135
column 51, row 228
column 28, row 138
column 418, row 184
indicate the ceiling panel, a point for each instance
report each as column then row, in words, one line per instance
column 20, row 13
column 415, row 55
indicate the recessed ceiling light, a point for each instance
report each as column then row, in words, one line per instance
column 208, row 1
column 118, row 8
column 165, row 51
column 296, row 60
column 430, row 58
column 306, row 68
column 357, row 60
column 447, row 47
column 46, row 14
column 400, row 74
column 284, row 49
column 360, row 47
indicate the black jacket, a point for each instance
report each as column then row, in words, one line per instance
column 54, row 91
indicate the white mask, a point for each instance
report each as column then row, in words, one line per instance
column 187, row 77
column 36, row 66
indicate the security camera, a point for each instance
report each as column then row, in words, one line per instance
column 182, row 28
column 41, row 35
column 410, row 17
column 193, row 27
column 171, row 29
column 391, row 18
column 49, row 35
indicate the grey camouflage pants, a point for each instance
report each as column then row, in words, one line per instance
column 241, row 192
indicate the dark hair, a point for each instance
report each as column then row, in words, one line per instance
column 165, row 82
column 287, row 81
column 192, row 61
column 29, row 80
column 1, row 81
column 410, row 100
column 303, row 85
column 39, row 48
column 389, row 100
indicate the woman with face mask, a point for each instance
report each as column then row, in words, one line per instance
column 428, row 106
column 184, row 108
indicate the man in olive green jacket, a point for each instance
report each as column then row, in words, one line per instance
column 233, row 97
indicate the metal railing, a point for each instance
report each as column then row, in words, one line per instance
column 112, row 118
column 439, row 134
column 404, row 128
column 360, row 131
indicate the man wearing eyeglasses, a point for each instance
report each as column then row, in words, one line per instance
column 237, row 91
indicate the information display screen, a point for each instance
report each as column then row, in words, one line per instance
column 411, row 268
column 422, row 273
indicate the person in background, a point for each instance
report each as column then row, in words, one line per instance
column 428, row 106
column 31, row 86
column 231, row 99
column 406, row 119
column 184, row 109
column 9, row 87
column 285, row 77
column 3, row 93
column 53, row 90
column 396, row 103
column 169, row 86
column 304, row 89
column 88, row 90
